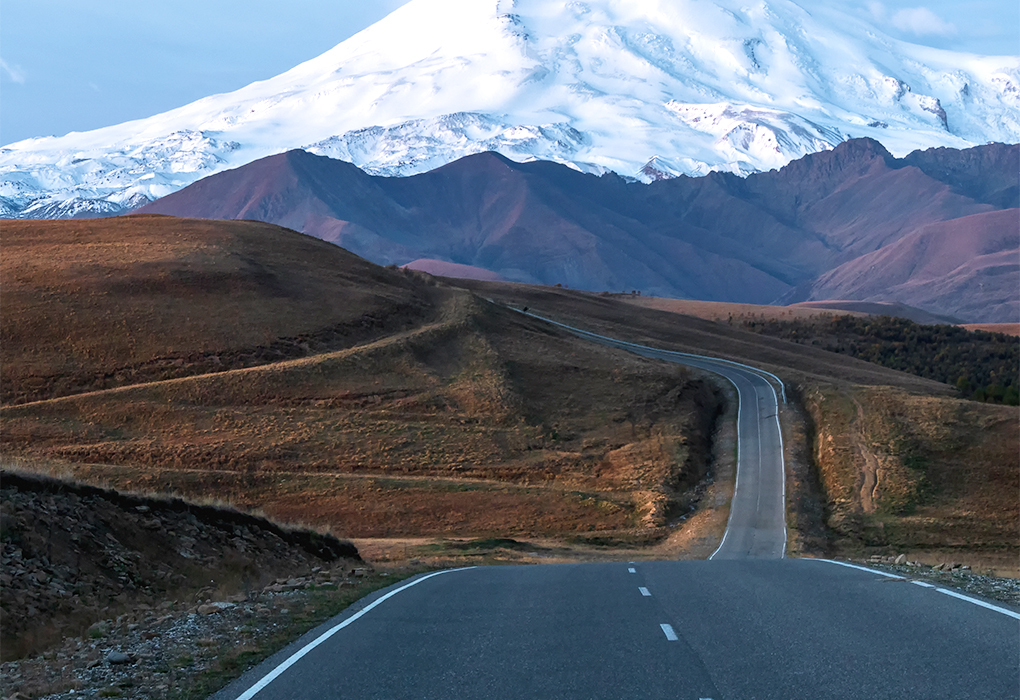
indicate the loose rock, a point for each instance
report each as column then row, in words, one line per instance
column 118, row 657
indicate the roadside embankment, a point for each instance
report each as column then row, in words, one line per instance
column 74, row 555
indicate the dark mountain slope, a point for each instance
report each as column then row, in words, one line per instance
column 990, row 174
column 968, row 267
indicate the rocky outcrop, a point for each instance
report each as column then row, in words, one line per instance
column 73, row 555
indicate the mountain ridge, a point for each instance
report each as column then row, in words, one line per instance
column 719, row 237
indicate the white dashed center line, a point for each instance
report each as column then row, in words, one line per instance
column 644, row 591
column 668, row 631
column 632, row 570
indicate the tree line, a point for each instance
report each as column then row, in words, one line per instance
column 983, row 366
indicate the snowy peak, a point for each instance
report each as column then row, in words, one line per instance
column 645, row 88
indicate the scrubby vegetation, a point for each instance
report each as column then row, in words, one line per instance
column 983, row 366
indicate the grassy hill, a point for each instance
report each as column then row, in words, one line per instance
column 248, row 363
column 91, row 304
column 74, row 554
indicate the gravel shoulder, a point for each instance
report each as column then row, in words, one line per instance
column 182, row 652
column 952, row 575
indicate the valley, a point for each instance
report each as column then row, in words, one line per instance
column 385, row 403
column 510, row 348
column 472, row 420
column 241, row 365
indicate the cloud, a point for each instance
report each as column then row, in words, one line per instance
column 877, row 11
column 14, row 73
column 921, row 21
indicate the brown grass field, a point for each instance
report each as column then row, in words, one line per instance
column 723, row 310
column 241, row 362
column 92, row 304
column 727, row 311
column 444, row 416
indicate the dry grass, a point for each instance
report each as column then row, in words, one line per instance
column 379, row 404
column 877, row 459
column 91, row 304
column 907, row 472
column 475, row 420
column 725, row 311
column 605, row 314
column 1007, row 328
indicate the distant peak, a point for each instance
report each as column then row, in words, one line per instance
column 861, row 148
column 486, row 160
column 647, row 90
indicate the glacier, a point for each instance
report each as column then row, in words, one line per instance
column 643, row 88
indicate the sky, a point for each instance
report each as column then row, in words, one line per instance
column 67, row 65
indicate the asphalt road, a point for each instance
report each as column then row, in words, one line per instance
column 747, row 625
column 740, row 630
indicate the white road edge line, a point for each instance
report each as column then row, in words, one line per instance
column 975, row 601
column 859, row 568
column 736, row 468
column 983, row 604
column 669, row 632
column 782, row 457
column 645, row 592
column 296, row 656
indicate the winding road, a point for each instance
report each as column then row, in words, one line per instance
column 756, row 528
column 747, row 625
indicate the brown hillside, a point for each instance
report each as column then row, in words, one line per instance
column 92, row 304
column 725, row 311
column 471, row 419
column 423, row 411
column 721, row 310
column 878, row 460
column 1007, row 328
column 482, row 423
column 610, row 315
column 876, row 308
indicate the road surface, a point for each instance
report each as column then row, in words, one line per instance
column 747, row 625
column 794, row 629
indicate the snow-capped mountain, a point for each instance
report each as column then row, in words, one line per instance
column 646, row 88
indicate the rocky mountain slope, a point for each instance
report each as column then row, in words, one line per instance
column 647, row 89
column 778, row 235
